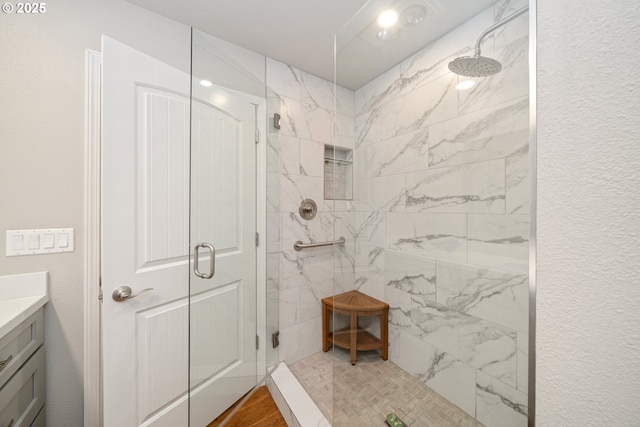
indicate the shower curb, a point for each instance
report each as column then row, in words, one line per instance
column 296, row 406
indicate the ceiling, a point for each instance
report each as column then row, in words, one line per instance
column 301, row 32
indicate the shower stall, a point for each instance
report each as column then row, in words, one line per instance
column 433, row 154
column 405, row 182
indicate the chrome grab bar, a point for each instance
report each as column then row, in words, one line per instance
column 298, row 246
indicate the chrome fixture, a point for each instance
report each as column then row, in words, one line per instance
column 308, row 209
column 477, row 65
column 123, row 293
column 212, row 260
column 298, row 246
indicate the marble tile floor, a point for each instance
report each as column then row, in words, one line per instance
column 367, row 392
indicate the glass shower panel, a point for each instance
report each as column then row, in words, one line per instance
column 438, row 227
column 229, row 305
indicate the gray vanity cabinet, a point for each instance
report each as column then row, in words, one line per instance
column 22, row 374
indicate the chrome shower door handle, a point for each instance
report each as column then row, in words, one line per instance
column 212, row 260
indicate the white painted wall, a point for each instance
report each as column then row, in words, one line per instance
column 42, row 160
column 588, row 306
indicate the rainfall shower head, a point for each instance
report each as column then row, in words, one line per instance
column 478, row 65
column 475, row 66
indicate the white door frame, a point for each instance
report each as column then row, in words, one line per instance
column 92, row 198
column 92, row 291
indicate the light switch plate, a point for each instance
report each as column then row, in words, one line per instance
column 43, row 241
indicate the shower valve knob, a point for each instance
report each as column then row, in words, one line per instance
column 308, row 209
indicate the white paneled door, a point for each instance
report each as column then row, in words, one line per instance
column 146, row 177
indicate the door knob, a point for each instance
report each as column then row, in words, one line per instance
column 124, row 293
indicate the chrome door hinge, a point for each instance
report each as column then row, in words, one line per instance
column 257, row 239
column 100, row 290
column 257, row 136
column 257, row 342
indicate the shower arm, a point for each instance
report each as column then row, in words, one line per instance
column 498, row 25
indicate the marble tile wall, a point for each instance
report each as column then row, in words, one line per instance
column 305, row 103
column 441, row 211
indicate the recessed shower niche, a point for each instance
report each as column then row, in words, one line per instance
column 338, row 173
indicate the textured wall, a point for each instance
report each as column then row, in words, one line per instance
column 42, row 162
column 588, row 290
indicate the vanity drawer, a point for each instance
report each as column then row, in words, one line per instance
column 40, row 420
column 22, row 397
column 19, row 344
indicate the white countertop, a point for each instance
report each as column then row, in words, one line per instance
column 21, row 295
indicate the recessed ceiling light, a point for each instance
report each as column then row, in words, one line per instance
column 414, row 14
column 206, row 83
column 465, row 84
column 387, row 18
column 388, row 34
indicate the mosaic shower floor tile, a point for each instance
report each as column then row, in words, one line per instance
column 364, row 394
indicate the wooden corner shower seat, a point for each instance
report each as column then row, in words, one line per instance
column 355, row 304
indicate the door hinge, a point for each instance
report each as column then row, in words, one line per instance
column 257, row 342
column 275, row 339
column 100, row 289
column 257, row 136
column 257, row 239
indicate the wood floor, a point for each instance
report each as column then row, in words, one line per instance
column 259, row 410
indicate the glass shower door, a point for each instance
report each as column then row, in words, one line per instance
column 223, row 277
column 442, row 212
